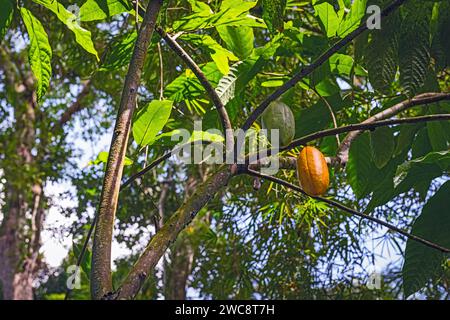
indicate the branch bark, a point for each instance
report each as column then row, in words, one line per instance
column 169, row 232
column 350, row 210
column 314, row 65
column 101, row 282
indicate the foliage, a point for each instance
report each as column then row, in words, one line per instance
column 245, row 243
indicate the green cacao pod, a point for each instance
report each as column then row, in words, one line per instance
column 279, row 116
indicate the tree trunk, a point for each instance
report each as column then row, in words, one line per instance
column 23, row 212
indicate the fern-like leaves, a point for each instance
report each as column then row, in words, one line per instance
column 226, row 87
column 415, row 46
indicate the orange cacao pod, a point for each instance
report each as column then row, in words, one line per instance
column 312, row 171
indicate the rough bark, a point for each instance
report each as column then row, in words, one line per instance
column 169, row 232
column 101, row 280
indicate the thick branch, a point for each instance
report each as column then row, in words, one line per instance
column 313, row 66
column 350, row 210
column 421, row 99
column 101, row 282
column 169, row 232
column 223, row 114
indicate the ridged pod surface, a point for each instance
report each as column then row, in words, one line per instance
column 312, row 171
column 279, row 116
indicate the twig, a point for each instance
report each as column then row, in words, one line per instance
column 161, row 72
column 350, row 210
column 154, row 164
column 307, row 70
column 330, row 109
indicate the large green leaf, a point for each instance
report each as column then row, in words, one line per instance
column 220, row 55
column 360, row 167
column 441, row 45
column 415, row 46
column 382, row 145
column 238, row 40
column 405, row 138
column 187, row 87
column 39, row 52
column 232, row 13
column 6, row 15
column 441, row 158
column 353, row 18
column 328, row 17
column 423, row 264
column 150, row 121
column 120, row 53
column 101, row 9
column 381, row 54
column 82, row 36
column 273, row 14
column 438, row 133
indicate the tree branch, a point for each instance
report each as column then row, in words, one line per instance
column 314, row 65
column 359, row 127
column 349, row 210
column 101, row 282
column 169, row 232
column 156, row 162
column 223, row 114
column 421, row 99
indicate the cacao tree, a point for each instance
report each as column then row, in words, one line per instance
column 361, row 101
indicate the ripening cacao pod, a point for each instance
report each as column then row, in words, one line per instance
column 279, row 116
column 312, row 171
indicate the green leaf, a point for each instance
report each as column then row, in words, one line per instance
column 6, row 15
column 150, row 121
column 120, row 54
column 273, row 14
column 232, row 13
column 360, row 167
column 438, row 134
column 414, row 48
column 238, row 40
column 405, row 138
column 441, row 45
column 220, row 55
column 93, row 10
column 423, row 264
column 328, row 17
column 82, row 36
column 441, row 158
column 186, row 86
column 353, row 18
column 39, row 52
column 382, row 145
column 381, row 54
column 102, row 157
